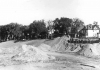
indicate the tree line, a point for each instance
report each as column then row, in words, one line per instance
column 39, row 29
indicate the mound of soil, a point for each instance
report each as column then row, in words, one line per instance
column 61, row 45
column 36, row 42
column 44, row 47
column 52, row 42
column 90, row 50
column 31, row 53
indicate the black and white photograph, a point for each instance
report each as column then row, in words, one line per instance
column 49, row 35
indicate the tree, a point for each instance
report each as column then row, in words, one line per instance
column 3, row 33
column 77, row 25
column 62, row 25
column 14, row 31
column 26, row 32
column 38, row 29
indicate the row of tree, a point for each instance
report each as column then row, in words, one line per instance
column 67, row 26
column 40, row 29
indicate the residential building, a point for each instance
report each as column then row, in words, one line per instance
column 92, row 30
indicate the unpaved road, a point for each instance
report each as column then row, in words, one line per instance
column 79, row 60
column 62, row 62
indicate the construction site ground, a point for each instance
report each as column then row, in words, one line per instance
column 57, row 60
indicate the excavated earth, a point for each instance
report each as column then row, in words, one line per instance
column 55, row 54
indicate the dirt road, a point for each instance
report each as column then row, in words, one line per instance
column 62, row 62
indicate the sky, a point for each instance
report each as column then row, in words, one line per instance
column 26, row 11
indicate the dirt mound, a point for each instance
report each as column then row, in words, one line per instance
column 72, row 48
column 44, row 47
column 61, row 45
column 8, row 44
column 9, row 47
column 35, row 42
column 90, row 50
column 82, row 49
column 31, row 53
column 10, row 50
column 52, row 42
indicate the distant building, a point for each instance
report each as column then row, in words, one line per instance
column 92, row 31
column 81, row 31
column 50, row 31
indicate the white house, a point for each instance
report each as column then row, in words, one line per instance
column 92, row 31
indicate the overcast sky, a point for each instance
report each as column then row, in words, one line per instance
column 25, row 11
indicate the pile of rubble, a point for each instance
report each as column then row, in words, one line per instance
column 90, row 50
column 32, row 53
column 62, row 45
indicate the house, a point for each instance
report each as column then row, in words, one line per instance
column 92, row 30
column 81, row 31
column 50, row 31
